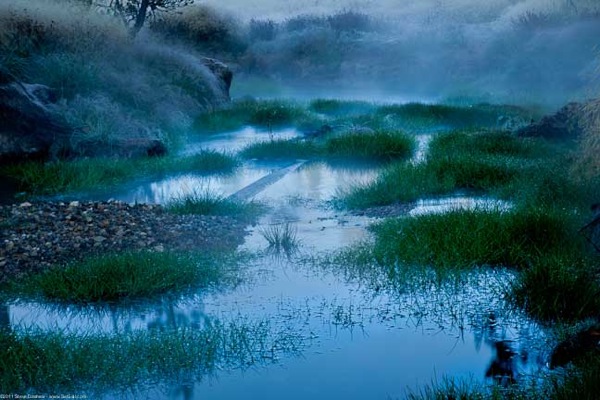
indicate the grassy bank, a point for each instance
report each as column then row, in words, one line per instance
column 68, row 176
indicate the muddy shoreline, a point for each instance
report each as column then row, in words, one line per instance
column 35, row 236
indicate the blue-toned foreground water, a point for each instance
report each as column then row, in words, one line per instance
column 358, row 338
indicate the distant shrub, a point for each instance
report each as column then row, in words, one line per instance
column 203, row 27
column 350, row 21
column 262, row 29
column 304, row 21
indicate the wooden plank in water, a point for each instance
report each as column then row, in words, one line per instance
column 258, row 186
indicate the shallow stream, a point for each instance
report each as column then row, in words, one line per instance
column 359, row 339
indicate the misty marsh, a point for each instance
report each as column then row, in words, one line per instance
column 329, row 199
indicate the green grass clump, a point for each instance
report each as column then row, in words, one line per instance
column 559, row 287
column 281, row 237
column 39, row 362
column 468, row 238
column 380, row 146
column 486, row 143
column 209, row 203
column 486, row 162
column 124, row 276
column 261, row 113
column 282, row 149
column 397, row 183
column 67, row 176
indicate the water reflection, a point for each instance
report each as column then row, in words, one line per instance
column 235, row 141
column 369, row 336
column 448, row 204
column 165, row 314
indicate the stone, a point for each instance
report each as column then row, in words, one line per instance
column 222, row 73
column 31, row 124
column 568, row 123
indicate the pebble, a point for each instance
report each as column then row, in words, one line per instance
column 37, row 235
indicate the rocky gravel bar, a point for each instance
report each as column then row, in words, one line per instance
column 35, row 236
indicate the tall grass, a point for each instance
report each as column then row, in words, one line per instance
column 397, row 183
column 125, row 276
column 560, row 286
column 454, row 117
column 381, row 146
column 339, row 108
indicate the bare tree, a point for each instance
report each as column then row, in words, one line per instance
column 134, row 13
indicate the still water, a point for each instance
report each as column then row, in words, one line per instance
column 359, row 339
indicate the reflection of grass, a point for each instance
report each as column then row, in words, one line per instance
column 281, row 237
column 96, row 362
column 126, row 275
column 209, row 203
column 65, row 176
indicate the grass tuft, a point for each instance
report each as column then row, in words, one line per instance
column 282, row 149
column 379, row 146
column 262, row 113
column 281, row 237
column 124, row 276
column 209, row 203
